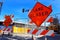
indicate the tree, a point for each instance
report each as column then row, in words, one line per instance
column 55, row 21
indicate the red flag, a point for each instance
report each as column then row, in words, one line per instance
column 50, row 7
column 30, row 22
column 50, row 19
column 39, row 13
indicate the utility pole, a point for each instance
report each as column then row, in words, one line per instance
column 56, row 22
column 1, row 3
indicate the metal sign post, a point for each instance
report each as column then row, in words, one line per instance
column 45, row 28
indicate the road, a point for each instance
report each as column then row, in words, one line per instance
column 6, row 37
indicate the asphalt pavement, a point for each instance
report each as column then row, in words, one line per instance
column 7, row 37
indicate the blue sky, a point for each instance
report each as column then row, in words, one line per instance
column 15, row 7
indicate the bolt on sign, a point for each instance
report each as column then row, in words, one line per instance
column 39, row 13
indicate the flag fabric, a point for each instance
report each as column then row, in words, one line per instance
column 50, row 19
column 31, row 22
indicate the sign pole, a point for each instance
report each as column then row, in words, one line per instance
column 33, row 38
column 46, row 29
column 45, row 38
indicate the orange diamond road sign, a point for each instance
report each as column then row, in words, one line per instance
column 39, row 13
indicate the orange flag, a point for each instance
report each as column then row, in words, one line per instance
column 30, row 22
column 50, row 19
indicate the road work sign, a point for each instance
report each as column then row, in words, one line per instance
column 39, row 13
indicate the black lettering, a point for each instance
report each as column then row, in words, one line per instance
column 32, row 15
column 46, row 12
column 39, row 9
column 36, row 10
column 39, row 14
column 42, row 13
